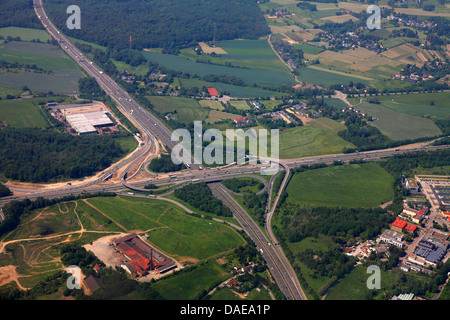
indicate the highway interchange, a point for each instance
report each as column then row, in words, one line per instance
column 153, row 130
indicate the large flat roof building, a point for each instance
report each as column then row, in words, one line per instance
column 86, row 123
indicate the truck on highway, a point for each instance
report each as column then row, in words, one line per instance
column 131, row 193
column 196, row 180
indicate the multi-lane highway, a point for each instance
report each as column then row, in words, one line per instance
column 285, row 282
column 152, row 129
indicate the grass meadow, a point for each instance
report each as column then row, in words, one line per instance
column 353, row 186
column 314, row 138
column 399, row 126
column 168, row 227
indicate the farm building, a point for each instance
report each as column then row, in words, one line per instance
column 241, row 120
column 212, row 92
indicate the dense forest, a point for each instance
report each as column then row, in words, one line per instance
column 200, row 196
column 161, row 23
column 35, row 155
column 18, row 13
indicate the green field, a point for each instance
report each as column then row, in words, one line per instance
column 212, row 104
column 433, row 105
column 188, row 110
column 324, row 78
column 315, row 138
column 168, row 227
column 61, row 76
column 25, row 34
column 357, row 185
column 22, row 113
column 190, row 282
column 240, row 104
column 249, row 76
column 229, row 89
column 399, row 126
column 251, row 54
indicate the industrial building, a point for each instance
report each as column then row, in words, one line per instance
column 87, row 123
column 142, row 258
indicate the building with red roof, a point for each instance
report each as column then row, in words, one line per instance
column 212, row 92
column 399, row 225
column 241, row 120
column 411, row 228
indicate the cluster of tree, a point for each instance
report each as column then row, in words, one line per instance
column 329, row 263
column 237, row 184
column 17, row 65
column 405, row 164
column 420, row 285
column 405, row 32
column 161, row 23
column 300, row 222
column 4, row 191
column 288, row 51
column 164, row 164
column 307, row 6
column 361, row 134
column 267, row 122
column 18, row 13
column 90, row 89
column 73, row 254
column 36, row 155
column 257, row 206
column 200, row 197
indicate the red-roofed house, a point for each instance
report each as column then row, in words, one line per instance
column 411, row 228
column 213, row 92
column 398, row 225
column 241, row 120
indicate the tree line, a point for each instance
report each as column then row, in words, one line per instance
column 200, row 197
column 161, row 23
column 36, row 155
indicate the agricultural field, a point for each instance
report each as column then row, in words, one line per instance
column 217, row 116
column 212, row 104
column 321, row 76
column 25, row 34
column 25, row 112
column 240, row 104
column 356, row 185
column 434, row 105
column 229, row 89
column 249, row 76
column 188, row 284
column 188, row 110
column 168, row 227
column 317, row 137
column 62, row 73
column 399, row 126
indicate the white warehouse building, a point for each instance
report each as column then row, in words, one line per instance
column 86, row 123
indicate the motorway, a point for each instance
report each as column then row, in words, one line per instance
column 152, row 129
column 285, row 282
